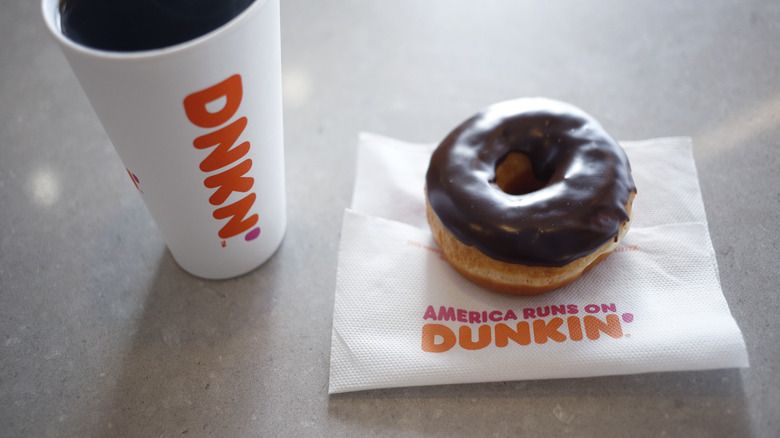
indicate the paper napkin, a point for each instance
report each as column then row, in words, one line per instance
column 404, row 317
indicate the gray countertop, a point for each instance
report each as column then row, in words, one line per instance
column 102, row 334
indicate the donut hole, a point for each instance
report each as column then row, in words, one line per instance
column 515, row 175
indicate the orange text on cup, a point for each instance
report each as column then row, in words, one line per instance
column 226, row 164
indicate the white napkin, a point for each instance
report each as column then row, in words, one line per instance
column 404, row 317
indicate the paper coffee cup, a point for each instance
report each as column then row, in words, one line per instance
column 198, row 126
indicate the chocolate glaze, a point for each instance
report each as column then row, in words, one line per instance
column 581, row 206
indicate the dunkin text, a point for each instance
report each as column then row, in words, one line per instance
column 225, row 164
column 504, row 328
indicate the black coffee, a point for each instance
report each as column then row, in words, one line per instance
column 131, row 25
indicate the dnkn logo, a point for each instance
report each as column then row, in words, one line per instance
column 225, row 159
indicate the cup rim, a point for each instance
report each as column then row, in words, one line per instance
column 49, row 9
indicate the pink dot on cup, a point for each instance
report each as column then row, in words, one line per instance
column 252, row 235
column 628, row 317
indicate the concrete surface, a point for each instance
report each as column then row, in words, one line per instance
column 102, row 334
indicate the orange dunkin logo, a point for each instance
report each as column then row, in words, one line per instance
column 498, row 327
column 224, row 157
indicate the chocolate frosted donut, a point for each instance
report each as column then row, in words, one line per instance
column 536, row 186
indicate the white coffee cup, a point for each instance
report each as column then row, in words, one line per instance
column 198, row 125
